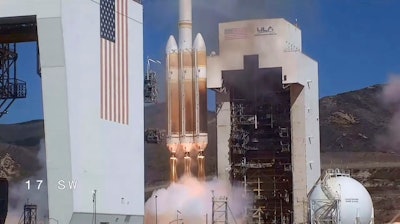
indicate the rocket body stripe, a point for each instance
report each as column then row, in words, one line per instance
column 173, row 86
column 173, row 94
column 201, row 70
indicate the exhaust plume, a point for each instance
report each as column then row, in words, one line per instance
column 191, row 201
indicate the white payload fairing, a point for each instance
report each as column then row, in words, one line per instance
column 187, row 94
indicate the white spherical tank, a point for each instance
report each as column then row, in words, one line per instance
column 340, row 197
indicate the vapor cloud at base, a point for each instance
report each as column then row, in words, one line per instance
column 191, row 200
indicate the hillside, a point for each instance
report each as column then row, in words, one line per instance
column 19, row 147
column 352, row 121
column 24, row 134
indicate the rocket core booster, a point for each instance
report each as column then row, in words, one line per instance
column 186, row 94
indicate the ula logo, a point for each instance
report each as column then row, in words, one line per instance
column 265, row 31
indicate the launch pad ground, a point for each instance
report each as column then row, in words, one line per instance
column 359, row 160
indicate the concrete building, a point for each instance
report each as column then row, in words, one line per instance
column 267, row 116
column 91, row 63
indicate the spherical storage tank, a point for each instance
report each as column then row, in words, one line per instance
column 338, row 198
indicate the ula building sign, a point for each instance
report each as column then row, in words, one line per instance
column 263, row 30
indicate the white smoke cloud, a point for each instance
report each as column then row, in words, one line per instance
column 390, row 140
column 391, row 93
column 19, row 194
column 193, row 200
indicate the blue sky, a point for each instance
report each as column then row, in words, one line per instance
column 356, row 42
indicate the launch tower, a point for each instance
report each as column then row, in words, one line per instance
column 267, row 116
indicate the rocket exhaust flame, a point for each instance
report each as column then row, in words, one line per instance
column 188, row 161
column 173, row 173
column 187, row 93
column 200, row 163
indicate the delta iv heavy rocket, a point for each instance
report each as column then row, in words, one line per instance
column 187, row 95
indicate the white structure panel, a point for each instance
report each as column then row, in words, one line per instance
column 280, row 33
column 57, row 133
column 223, row 133
column 51, row 42
column 299, row 151
column 313, row 158
column 214, row 76
column 106, row 156
column 40, row 8
column 136, row 16
column 272, row 47
column 81, row 147
column 299, row 68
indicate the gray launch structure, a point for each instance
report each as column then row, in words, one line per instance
column 267, row 117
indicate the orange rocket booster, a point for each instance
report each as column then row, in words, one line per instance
column 186, row 92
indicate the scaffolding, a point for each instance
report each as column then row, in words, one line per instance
column 11, row 88
column 260, row 154
column 154, row 136
column 150, row 83
column 150, row 87
column 30, row 214
column 219, row 210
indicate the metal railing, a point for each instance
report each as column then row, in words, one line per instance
column 13, row 90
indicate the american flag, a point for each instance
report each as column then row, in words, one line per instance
column 236, row 33
column 114, row 60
